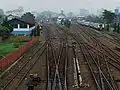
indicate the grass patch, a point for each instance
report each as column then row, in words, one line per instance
column 13, row 43
column 64, row 27
column 6, row 48
column 9, row 46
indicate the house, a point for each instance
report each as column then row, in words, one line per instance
column 22, row 26
column 10, row 17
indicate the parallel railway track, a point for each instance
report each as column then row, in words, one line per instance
column 59, row 58
column 99, row 57
column 17, row 79
column 106, row 73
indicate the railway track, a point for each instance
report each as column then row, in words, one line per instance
column 59, row 60
column 14, row 82
column 52, row 55
column 13, row 70
column 103, row 78
column 62, row 61
column 114, row 39
column 62, row 65
column 99, row 57
column 76, row 69
column 109, row 52
column 110, row 81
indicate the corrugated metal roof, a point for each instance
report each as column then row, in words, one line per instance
column 23, row 20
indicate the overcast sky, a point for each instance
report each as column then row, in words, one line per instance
column 57, row 5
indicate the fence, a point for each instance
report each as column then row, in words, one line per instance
column 12, row 57
column 0, row 39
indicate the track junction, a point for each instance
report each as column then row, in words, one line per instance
column 78, row 59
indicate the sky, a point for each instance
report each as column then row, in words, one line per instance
column 57, row 5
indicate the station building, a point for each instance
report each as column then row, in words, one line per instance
column 22, row 26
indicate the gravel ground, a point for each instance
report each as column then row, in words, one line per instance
column 39, row 68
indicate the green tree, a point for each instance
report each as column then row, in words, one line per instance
column 46, row 15
column 94, row 18
column 118, row 27
column 4, row 32
column 67, row 23
column 2, row 16
column 6, row 24
column 115, row 27
column 28, row 16
column 108, row 18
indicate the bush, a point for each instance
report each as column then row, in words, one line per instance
column 67, row 23
column 16, row 45
column 21, row 38
column 4, row 32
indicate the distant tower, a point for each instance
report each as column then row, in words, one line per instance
column 62, row 12
column 61, row 17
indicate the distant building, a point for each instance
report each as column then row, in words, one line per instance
column 21, row 26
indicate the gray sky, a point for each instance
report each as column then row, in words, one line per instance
column 57, row 5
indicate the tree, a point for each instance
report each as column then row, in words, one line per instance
column 28, row 16
column 94, row 18
column 16, row 12
column 115, row 27
column 67, row 23
column 41, row 16
column 46, row 15
column 118, row 27
column 4, row 32
column 2, row 16
column 6, row 24
column 108, row 16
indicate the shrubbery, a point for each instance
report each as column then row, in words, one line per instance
column 21, row 38
column 16, row 45
column 67, row 23
column 4, row 32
